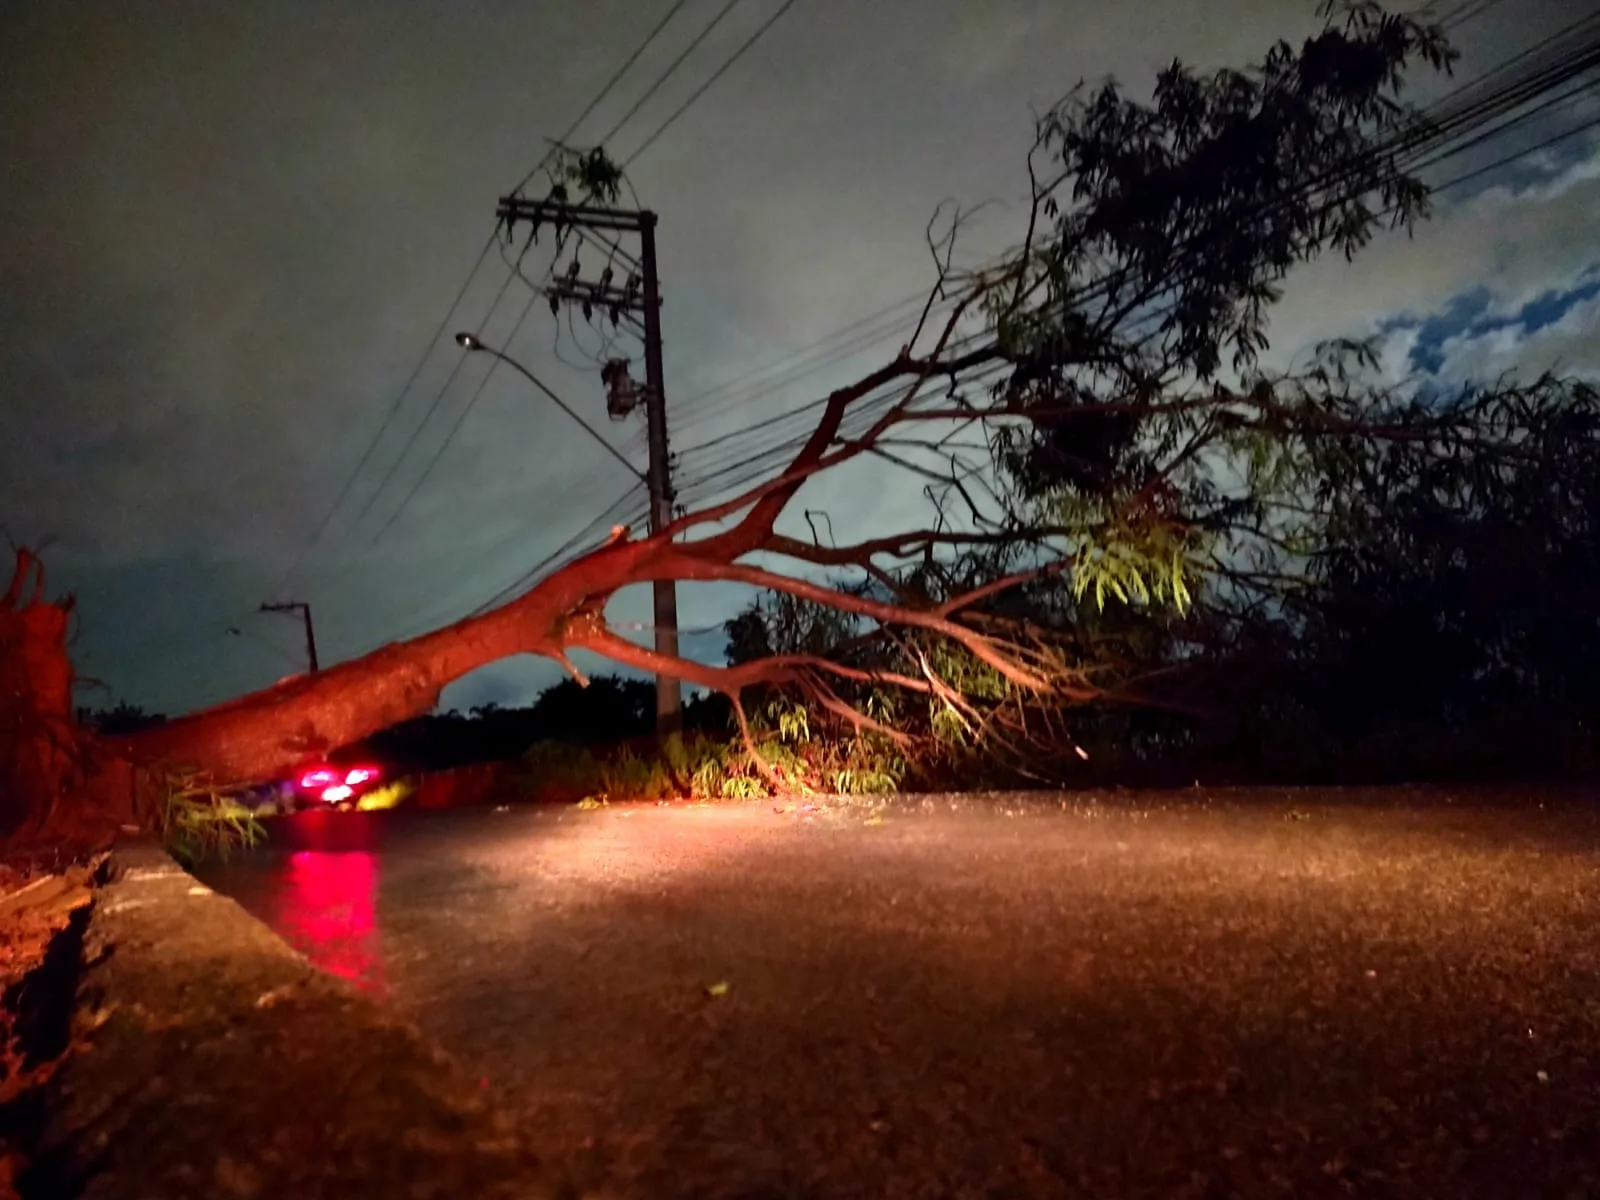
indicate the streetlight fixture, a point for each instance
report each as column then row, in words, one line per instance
column 471, row 341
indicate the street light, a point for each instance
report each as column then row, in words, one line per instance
column 471, row 341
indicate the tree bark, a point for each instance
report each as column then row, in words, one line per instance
column 267, row 734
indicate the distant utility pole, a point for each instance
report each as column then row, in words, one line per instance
column 638, row 296
column 304, row 609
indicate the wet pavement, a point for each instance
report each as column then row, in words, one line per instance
column 1290, row 993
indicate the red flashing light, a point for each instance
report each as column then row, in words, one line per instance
column 332, row 785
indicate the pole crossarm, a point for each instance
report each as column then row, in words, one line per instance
column 598, row 294
column 301, row 609
column 512, row 209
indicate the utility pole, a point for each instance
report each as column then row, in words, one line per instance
column 638, row 300
column 669, row 696
column 304, row 609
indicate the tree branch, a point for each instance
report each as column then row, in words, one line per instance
column 981, row 647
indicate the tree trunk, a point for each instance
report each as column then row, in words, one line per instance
column 267, row 734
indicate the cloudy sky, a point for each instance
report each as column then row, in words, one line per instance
column 228, row 232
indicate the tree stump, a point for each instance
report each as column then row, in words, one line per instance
column 56, row 783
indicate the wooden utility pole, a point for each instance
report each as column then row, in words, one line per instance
column 304, row 609
column 638, row 300
column 669, row 696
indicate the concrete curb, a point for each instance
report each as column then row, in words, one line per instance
column 213, row 1060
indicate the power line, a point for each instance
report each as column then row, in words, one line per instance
column 433, row 407
column 786, row 377
column 1467, row 10
column 614, row 513
column 868, row 331
column 394, row 409
column 790, row 376
column 1580, row 89
column 843, row 353
column 569, row 550
column 1557, row 139
column 450, row 313
column 604, row 92
column 768, row 422
column 669, row 72
column 473, row 343
column 704, row 87
column 758, row 463
column 610, row 246
column 674, row 117
column 495, row 554
column 762, row 459
column 1563, row 34
column 455, row 429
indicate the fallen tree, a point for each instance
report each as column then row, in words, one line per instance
column 1106, row 364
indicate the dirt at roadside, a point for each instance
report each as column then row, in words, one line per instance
column 41, row 918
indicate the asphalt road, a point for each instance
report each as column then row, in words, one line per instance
column 1289, row 993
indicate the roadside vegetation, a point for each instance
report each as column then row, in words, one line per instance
column 199, row 820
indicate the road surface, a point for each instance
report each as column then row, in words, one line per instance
column 1289, row 993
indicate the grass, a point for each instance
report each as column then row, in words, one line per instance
column 199, row 820
column 707, row 769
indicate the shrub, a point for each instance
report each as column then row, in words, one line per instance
column 199, row 820
column 704, row 768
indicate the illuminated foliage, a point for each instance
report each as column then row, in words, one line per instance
column 199, row 819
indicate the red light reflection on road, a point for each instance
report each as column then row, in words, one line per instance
column 329, row 913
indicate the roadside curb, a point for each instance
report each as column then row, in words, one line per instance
column 210, row 1059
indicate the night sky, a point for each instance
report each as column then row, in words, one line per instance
column 227, row 233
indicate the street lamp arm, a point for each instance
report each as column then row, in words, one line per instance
column 471, row 341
